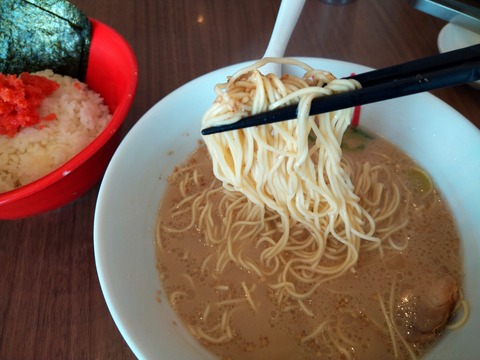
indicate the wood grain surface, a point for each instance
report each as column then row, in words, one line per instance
column 51, row 304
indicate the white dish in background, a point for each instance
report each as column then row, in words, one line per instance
column 437, row 136
column 453, row 37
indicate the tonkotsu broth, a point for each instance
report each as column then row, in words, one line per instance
column 343, row 315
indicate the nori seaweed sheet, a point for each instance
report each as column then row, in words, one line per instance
column 44, row 34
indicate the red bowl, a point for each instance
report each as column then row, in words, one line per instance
column 113, row 73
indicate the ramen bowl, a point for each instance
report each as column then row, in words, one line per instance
column 112, row 72
column 131, row 191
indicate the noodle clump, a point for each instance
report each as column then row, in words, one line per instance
column 303, row 213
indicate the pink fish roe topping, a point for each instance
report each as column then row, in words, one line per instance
column 20, row 98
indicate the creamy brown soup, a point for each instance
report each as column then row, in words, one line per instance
column 393, row 305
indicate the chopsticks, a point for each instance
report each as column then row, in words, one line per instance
column 438, row 71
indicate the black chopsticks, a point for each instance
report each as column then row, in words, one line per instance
column 439, row 71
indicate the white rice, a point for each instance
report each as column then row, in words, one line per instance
column 37, row 150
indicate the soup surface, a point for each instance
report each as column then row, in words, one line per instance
column 393, row 305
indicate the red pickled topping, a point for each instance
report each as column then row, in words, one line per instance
column 20, row 98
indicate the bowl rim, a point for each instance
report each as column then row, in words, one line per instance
column 110, row 129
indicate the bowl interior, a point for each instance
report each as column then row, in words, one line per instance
column 125, row 217
column 112, row 68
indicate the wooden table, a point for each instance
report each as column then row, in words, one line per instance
column 51, row 304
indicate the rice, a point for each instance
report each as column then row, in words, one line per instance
column 37, row 150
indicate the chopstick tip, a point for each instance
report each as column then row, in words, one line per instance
column 209, row 131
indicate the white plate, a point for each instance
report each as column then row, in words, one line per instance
column 453, row 37
column 444, row 142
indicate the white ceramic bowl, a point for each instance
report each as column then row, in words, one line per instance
column 437, row 136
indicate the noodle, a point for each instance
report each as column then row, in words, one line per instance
column 307, row 185
column 463, row 319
